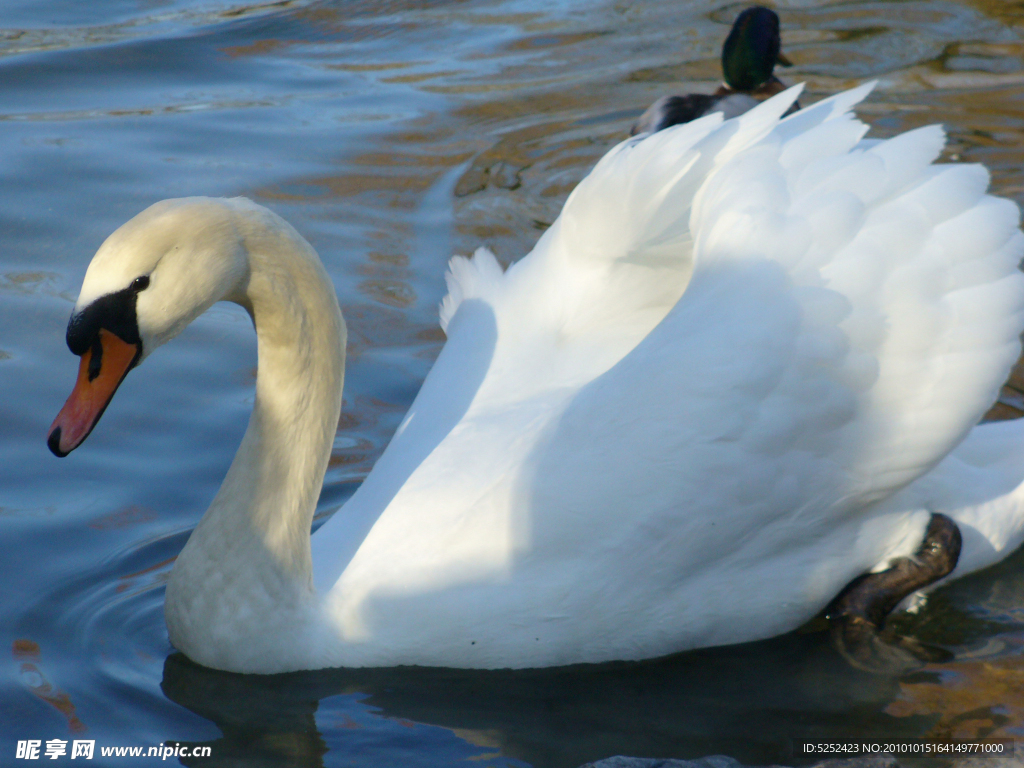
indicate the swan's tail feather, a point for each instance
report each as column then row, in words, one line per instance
column 822, row 111
column 760, row 121
column 469, row 278
column 613, row 210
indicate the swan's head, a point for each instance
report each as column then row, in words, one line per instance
column 149, row 279
column 752, row 49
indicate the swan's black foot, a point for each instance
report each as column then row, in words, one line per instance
column 857, row 616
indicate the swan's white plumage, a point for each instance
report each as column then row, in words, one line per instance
column 739, row 370
column 735, row 343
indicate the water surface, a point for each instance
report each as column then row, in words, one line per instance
column 393, row 134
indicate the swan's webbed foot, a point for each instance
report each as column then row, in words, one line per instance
column 857, row 616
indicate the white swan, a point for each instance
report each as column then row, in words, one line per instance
column 738, row 371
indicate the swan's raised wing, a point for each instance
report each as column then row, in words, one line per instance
column 765, row 316
column 850, row 315
column 735, row 339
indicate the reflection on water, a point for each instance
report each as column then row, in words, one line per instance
column 392, row 134
column 974, row 700
column 754, row 701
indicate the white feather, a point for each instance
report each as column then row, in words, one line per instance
column 703, row 389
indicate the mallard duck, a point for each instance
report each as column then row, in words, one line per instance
column 743, row 368
column 749, row 56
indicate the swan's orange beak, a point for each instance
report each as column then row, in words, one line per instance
column 104, row 366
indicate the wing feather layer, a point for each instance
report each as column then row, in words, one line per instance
column 698, row 391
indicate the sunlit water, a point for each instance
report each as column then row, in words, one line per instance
column 393, row 134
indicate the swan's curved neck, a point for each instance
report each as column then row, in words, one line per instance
column 251, row 551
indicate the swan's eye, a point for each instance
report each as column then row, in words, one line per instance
column 140, row 283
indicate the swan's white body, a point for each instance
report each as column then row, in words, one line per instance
column 742, row 368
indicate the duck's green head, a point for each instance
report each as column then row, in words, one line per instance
column 752, row 49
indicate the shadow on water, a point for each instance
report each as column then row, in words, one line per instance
column 688, row 705
column 755, row 702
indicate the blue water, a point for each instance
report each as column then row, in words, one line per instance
column 392, row 135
